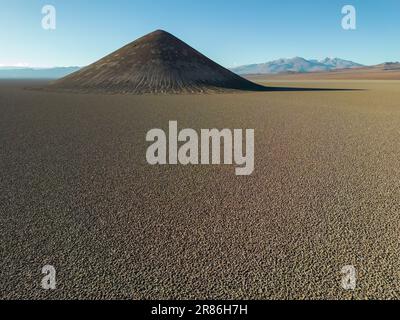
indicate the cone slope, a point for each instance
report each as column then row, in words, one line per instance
column 155, row 63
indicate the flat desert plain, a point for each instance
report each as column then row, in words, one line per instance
column 77, row 193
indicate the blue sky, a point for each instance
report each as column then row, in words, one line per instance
column 231, row 32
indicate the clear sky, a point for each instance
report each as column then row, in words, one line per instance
column 231, row 32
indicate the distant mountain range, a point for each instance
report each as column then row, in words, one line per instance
column 296, row 65
column 35, row 73
column 281, row 66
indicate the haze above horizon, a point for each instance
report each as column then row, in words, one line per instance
column 231, row 33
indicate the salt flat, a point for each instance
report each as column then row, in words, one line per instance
column 76, row 192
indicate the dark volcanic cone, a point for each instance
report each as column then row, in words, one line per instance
column 155, row 63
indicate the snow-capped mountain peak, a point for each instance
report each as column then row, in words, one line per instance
column 296, row 64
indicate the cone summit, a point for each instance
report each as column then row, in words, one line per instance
column 156, row 63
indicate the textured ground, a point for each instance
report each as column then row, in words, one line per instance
column 76, row 192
